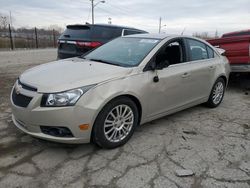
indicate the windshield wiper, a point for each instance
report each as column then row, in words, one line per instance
column 103, row 61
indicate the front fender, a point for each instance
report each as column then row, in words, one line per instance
column 96, row 98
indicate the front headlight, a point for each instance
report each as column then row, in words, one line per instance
column 66, row 98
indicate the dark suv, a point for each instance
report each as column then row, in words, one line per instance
column 79, row 39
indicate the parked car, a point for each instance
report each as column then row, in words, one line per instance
column 79, row 39
column 237, row 49
column 105, row 94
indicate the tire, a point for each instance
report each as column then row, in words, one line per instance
column 120, row 115
column 214, row 101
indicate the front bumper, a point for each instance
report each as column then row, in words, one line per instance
column 38, row 134
column 240, row 68
column 30, row 119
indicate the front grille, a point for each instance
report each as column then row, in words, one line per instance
column 20, row 100
column 24, row 86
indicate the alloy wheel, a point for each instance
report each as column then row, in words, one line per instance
column 118, row 123
column 218, row 93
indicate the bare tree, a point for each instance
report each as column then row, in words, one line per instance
column 56, row 28
column 216, row 35
column 4, row 21
column 202, row 35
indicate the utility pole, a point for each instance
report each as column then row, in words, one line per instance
column 54, row 38
column 11, row 25
column 92, row 8
column 160, row 25
column 36, row 37
column 11, row 41
column 10, row 19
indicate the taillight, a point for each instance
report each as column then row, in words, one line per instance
column 58, row 42
column 88, row 44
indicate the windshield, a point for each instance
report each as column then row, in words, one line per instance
column 127, row 52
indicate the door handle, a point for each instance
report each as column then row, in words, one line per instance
column 186, row 74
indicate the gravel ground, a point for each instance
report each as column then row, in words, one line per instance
column 213, row 143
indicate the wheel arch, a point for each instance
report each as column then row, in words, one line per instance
column 224, row 78
column 131, row 97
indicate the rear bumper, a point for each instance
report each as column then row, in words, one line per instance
column 63, row 54
column 240, row 67
column 66, row 55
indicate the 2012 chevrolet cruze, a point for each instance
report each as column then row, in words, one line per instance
column 105, row 94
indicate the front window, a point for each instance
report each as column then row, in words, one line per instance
column 124, row 51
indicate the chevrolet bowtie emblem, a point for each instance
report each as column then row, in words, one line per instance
column 18, row 88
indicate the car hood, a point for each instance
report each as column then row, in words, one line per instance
column 69, row 74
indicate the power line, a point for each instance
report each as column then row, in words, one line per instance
column 121, row 9
column 112, row 10
column 89, row 13
column 118, row 14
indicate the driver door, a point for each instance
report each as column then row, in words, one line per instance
column 169, row 92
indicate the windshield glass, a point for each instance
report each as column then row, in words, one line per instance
column 127, row 52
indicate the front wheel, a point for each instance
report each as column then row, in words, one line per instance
column 115, row 123
column 217, row 93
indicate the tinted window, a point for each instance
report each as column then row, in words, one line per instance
column 197, row 50
column 105, row 32
column 130, row 32
column 123, row 51
column 90, row 32
column 76, row 32
column 210, row 52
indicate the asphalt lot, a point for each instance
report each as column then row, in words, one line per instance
column 213, row 143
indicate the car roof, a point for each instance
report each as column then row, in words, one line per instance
column 161, row 36
column 151, row 36
column 105, row 25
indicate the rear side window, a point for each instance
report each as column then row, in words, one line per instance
column 197, row 50
column 210, row 52
column 105, row 32
column 130, row 32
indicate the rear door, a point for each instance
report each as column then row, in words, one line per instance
column 202, row 66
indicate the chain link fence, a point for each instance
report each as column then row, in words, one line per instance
column 11, row 38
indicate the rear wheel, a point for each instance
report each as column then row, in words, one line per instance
column 217, row 93
column 116, row 122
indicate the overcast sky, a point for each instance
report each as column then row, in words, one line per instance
column 194, row 15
